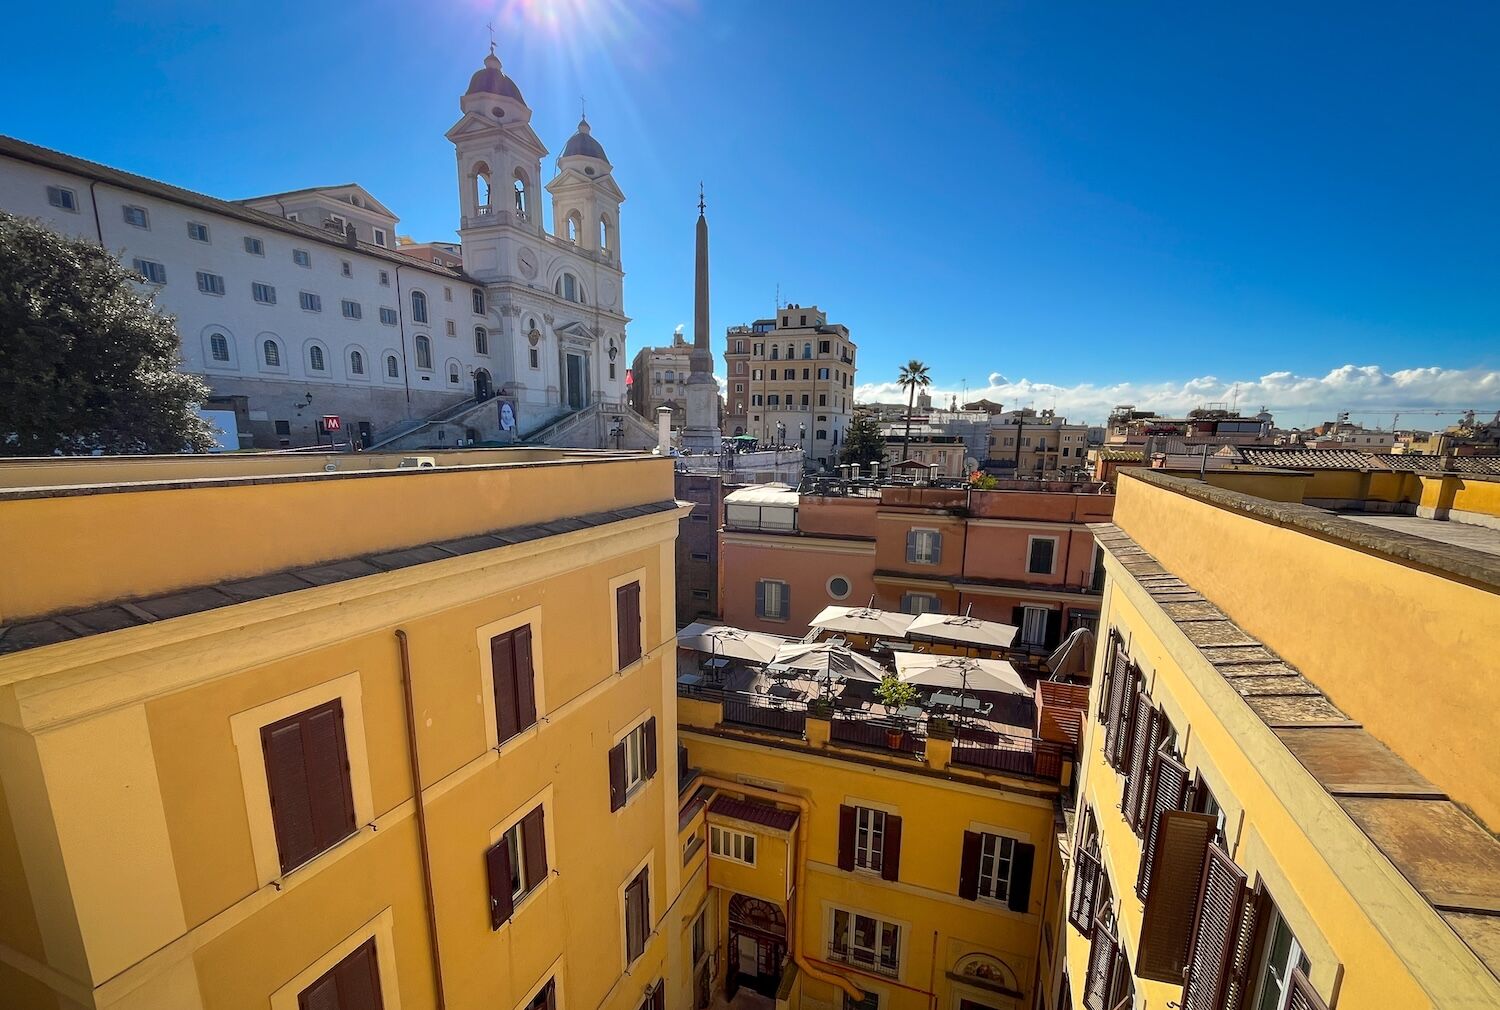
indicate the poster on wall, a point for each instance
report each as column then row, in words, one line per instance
column 507, row 409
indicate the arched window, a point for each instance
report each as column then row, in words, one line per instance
column 424, row 353
column 605, row 240
column 791, row 351
column 392, row 366
column 807, row 350
column 482, row 188
column 671, row 375
column 272, row 353
column 574, row 226
column 418, row 307
column 522, row 196
column 315, row 358
column 356, row 363
column 453, row 374
column 775, row 353
column 481, row 340
column 219, row 347
column 571, row 288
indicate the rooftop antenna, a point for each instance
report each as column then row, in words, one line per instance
column 778, row 296
column 490, row 25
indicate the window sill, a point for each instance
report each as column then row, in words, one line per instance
column 521, row 904
column 304, row 870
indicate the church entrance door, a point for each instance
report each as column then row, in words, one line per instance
column 577, row 395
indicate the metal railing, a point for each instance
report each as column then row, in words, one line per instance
column 869, row 960
column 886, row 734
column 751, row 710
column 1016, row 755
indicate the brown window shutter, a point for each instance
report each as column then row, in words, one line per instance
column 321, row 995
column 503, row 663
column 359, row 979
column 1172, row 903
column 550, row 1001
column 651, row 747
column 1219, row 897
column 1119, row 681
column 1023, row 856
column 846, row 837
column 497, row 865
column 1303, row 995
column 617, row 776
column 1125, row 732
column 1101, row 966
column 307, row 774
column 659, row 995
column 525, row 678
column 1141, row 747
column 968, row 867
column 534, row 844
column 1247, row 940
column 1086, row 871
column 890, row 854
column 1168, row 791
column 628, row 614
column 328, row 774
column 291, row 801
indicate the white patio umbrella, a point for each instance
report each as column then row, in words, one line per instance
column 863, row 621
column 722, row 640
column 829, row 661
column 1075, row 656
column 959, row 672
column 963, row 630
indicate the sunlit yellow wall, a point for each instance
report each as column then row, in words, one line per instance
column 939, row 927
column 1327, row 894
column 768, row 878
column 1286, row 486
column 1406, row 655
column 147, row 892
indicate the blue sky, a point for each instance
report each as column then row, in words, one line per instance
column 1047, row 203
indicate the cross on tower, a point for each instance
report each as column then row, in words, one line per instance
column 490, row 25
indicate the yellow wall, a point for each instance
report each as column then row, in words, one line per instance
column 1406, row 654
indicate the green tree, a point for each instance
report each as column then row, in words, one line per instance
column 87, row 361
column 864, row 442
column 913, row 377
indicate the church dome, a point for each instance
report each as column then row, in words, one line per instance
column 491, row 80
column 583, row 145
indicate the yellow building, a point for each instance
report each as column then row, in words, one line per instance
column 275, row 737
column 828, row 862
column 1289, row 795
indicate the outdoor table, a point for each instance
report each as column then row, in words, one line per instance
column 716, row 664
column 690, row 679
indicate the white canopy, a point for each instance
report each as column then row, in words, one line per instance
column 959, row 672
column 1075, row 656
column 863, row 621
column 829, row 661
column 965, row 630
column 722, row 640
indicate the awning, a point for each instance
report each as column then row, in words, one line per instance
column 829, row 661
column 1075, row 656
column 863, row 621
column 722, row 640
column 959, row 672
column 965, row 630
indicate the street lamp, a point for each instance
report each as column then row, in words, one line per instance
column 780, row 433
column 617, row 429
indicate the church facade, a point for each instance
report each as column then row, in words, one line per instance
column 299, row 305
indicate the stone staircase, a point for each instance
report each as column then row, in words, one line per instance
column 589, row 428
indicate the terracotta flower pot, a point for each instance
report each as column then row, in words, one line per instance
column 893, row 738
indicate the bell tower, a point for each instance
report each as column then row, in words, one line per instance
column 585, row 198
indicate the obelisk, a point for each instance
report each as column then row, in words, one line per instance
column 702, row 431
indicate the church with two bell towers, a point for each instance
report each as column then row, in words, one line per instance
column 558, row 292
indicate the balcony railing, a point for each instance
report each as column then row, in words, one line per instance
column 750, row 710
column 867, row 959
column 885, row 734
column 999, row 752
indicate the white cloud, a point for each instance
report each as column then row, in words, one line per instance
column 1370, row 393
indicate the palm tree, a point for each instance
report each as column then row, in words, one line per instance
column 913, row 375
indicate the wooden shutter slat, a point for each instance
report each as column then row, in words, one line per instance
column 1023, row 856
column 291, row 800
column 534, row 844
column 328, row 775
column 503, row 665
column 968, row 869
column 525, row 678
column 651, row 747
column 1119, row 683
column 359, row 979
column 1101, row 963
column 1140, row 755
column 497, row 866
column 1247, row 940
column 1081, row 911
column 321, row 995
column 890, row 855
column 1169, row 789
column 617, row 776
column 1171, row 905
column 1125, row 733
column 1302, row 994
column 846, row 836
column 1218, row 909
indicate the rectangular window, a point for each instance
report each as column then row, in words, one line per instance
column 197, row 232
column 63, row 199
column 151, row 271
column 447, row 294
column 302, row 258
column 546, row 997
column 388, row 315
column 515, row 682
column 772, row 600
column 346, row 268
column 823, row 346
column 136, row 216
column 309, row 301
column 734, row 845
column 380, row 236
column 535, row 358
column 924, row 547
column 1283, row 956
column 1033, row 625
column 452, row 329
column 516, row 865
column 869, row 838
column 632, row 763
column 385, row 278
column 628, row 624
column 756, row 374
column 920, row 603
column 352, row 310
column 478, row 299
column 995, row 852
column 1040, row 555
column 352, row 984
column 866, row 941
column 637, row 916
column 307, row 772
column 263, row 293
column 700, row 928
column 210, row 284
column 254, row 246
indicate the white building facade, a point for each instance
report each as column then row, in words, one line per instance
column 295, row 306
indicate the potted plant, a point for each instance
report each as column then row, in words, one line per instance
column 895, row 695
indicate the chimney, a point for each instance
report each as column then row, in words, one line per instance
column 664, row 431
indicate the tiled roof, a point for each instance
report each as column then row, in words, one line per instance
column 1318, row 459
column 129, row 613
column 752, row 812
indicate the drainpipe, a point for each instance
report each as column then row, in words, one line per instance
column 793, row 920
column 93, row 199
column 415, row 763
